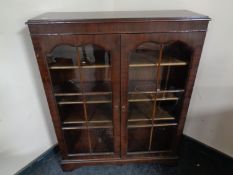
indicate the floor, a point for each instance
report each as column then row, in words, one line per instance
column 195, row 159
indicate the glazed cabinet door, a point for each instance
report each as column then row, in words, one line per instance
column 82, row 83
column 156, row 82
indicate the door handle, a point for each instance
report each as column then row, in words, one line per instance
column 123, row 108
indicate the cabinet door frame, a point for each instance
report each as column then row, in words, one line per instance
column 128, row 43
column 43, row 44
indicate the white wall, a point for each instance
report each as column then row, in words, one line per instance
column 25, row 126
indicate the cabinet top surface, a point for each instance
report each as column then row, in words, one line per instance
column 165, row 15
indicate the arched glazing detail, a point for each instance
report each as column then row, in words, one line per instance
column 157, row 76
column 82, row 85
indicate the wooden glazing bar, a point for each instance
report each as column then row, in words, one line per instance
column 167, row 77
column 152, row 122
column 84, row 99
column 155, row 97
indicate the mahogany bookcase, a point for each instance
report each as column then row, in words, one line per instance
column 118, row 84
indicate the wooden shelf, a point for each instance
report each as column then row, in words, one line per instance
column 149, row 86
column 148, row 152
column 74, row 87
column 92, row 154
column 143, row 59
column 144, row 91
column 90, row 126
column 87, row 125
column 167, row 62
column 96, row 114
column 80, row 94
column 64, row 63
column 85, row 98
column 97, row 119
column 94, row 93
column 146, row 97
column 157, row 92
column 77, row 67
column 86, row 102
column 150, row 125
column 143, row 112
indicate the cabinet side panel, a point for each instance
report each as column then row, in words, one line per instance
column 198, row 42
column 40, row 56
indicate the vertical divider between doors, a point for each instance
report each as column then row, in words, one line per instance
column 115, row 69
column 120, row 67
column 124, row 96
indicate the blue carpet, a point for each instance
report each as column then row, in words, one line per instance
column 51, row 166
column 195, row 159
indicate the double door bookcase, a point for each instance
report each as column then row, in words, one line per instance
column 117, row 96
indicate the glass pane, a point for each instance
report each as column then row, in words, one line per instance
column 157, row 72
column 168, row 109
column 69, row 99
column 173, row 74
column 69, row 64
column 146, row 54
column 178, row 52
column 143, row 111
column 172, row 78
column 97, row 80
column 157, row 76
column 163, row 138
column 101, row 112
column 65, row 81
column 142, row 73
column 140, row 111
column 81, row 77
column 142, row 79
column 101, row 140
column 63, row 55
column 76, row 141
column 94, row 55
column 71, row 114
column 138, row 139
column 60, row 62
